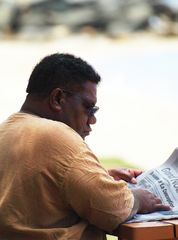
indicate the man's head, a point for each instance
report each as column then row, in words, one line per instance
column 62, row 87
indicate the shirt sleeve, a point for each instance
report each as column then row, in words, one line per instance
column 94, row 195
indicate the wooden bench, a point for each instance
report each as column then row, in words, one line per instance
column 158, row 230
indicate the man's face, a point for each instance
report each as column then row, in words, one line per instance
column 77, row 109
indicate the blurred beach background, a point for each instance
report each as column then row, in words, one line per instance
column 135, row 52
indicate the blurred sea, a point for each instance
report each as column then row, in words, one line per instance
column 138, row 100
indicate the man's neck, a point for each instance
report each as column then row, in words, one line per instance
column 35, row 106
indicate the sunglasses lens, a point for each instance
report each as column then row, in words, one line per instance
column 93, row 110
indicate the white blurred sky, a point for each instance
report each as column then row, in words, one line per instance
column 138, row 118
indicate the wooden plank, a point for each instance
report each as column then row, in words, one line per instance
column 175, row 223
column 146, row 231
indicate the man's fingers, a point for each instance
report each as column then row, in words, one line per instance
column 124, row 175
column 119, row 174
column 133, row 180
column 128, row 175
column 135, row 172
column 148, row 202
column 161, row 207
column 158, row 200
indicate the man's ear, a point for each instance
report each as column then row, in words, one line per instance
column 55, row 99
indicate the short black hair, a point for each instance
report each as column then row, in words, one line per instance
column 60, row 70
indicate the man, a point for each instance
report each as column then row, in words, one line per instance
column 51, row 185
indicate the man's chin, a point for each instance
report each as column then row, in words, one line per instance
column 84, row 136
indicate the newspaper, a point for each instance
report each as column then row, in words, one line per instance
column 163, row 182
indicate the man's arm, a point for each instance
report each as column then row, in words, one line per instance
column 144, row 202
column 105, row 203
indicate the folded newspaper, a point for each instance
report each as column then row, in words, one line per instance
column 163, row 182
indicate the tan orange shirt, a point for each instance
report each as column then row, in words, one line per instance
column 52, row 186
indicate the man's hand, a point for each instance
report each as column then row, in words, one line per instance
column 128, row 175
column 146, row 202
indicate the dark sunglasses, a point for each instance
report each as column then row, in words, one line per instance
column 90, row 110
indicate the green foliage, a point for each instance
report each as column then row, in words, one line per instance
column 109, row 237
column 116, row 162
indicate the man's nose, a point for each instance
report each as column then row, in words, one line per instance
column 92, row 119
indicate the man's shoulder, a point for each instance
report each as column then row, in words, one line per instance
column 49, row 126
column 51, row 129
column 42, row 130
